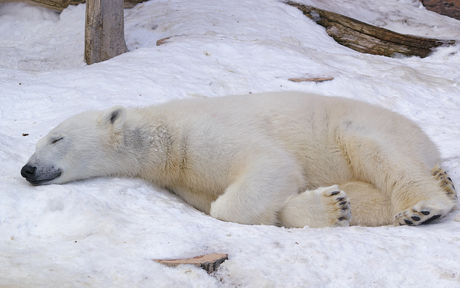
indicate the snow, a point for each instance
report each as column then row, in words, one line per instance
column 105, row 232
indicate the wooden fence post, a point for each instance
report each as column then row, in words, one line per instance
column 104, row 30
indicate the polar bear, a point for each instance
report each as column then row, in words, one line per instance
column 285, row 158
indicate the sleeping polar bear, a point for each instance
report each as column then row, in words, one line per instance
column 286, row 158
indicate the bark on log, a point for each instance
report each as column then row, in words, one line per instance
column 369, row 39
column 209, row 262
column 60, row 5
column 449, row 8
column 104, row 31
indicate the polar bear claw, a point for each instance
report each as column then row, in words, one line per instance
column 339, row 200
column 421, row 213
column 445, row 182
column 322, row 207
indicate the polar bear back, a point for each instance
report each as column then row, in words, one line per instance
column 220, row 132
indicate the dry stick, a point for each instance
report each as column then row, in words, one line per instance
column 366, row 38
column 318, row 79
column 163, row 41
column 209, row 262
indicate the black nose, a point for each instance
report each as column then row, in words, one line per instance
column 28, row 171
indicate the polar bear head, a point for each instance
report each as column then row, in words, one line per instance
column 81, row 147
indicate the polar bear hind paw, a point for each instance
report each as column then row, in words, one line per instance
column 445, row 182
column 336, row 198
column 425, row 212
column 322, row 207
column 421, row 213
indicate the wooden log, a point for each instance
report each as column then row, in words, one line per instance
column 60, row 5
column 369, row 39
column 104, row 31
column 209, row 262
column 449, row 8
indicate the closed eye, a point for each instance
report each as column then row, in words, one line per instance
column 56, row 140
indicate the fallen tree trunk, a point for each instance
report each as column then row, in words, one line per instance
column 450, row 8
column 60, row 5
column 369, row 39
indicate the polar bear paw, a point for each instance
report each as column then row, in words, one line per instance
column 445, row 182
column 427, row 211
column 323, row 207
column 337, row 205
column 421, row 213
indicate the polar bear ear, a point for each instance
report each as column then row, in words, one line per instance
column 115, row 117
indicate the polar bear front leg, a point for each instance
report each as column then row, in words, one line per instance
column 323, row 207
column 263, row 187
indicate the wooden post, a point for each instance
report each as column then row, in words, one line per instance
column 60, row 5
column 104, row 31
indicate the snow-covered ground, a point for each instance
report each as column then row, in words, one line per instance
column 105, row 232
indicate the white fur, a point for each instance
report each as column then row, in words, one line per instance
column 246, row 158
column 325, row 206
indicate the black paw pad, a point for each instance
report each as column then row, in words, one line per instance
column 408, row 222
column 425, row 212
column 432, row 219
column 335, row 193
column 415, row 218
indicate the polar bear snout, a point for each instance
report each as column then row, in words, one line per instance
column 28, row 171
column 34, row 176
